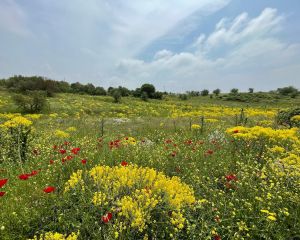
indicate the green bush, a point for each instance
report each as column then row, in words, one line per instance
column 284, row 117
column 31, row 102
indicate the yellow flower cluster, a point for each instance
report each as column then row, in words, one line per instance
column 61, row 134
column 76, row 178
column 270, row 215
column 17, row 121
column 99, row 199
column 56, row 236
column 134, row 193
column 71, row 129
column 195, row 126
column 296, row 118
column 129, row 141
column 137, row 208
column 257, row 132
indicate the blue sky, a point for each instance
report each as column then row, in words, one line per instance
column 177, row 45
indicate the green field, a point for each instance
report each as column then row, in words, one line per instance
column 204, row 168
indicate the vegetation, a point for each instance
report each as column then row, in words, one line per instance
column 202, row 168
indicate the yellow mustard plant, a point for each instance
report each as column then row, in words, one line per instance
column 61, row 134
column 56, row 236
column 134, row 193
column 17, row 122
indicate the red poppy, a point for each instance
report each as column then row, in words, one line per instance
column 173, row 154
column 217, row 237
column 49, row 189
column 107, row 217
column 54, row 146
column 235, row 131
column 2, row 194
column 75, row 150
column 51, row 161
column 83, row 161
column 209, row 152
column 62, row 151
column 231, row 177
column 66, row 143
column 69, row 157
column 23, row 176
column 34, row 172
column 124, row 163
column 3, row 182
column 189, row 142
column 168, row 141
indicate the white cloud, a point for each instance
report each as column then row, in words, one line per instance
column 253, row 54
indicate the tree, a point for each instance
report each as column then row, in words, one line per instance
column 217, row 91
column 100, row 91
column 251, row 90
column 204, row 92
column 116, row 94
column 234, row 91
column 31, row 102
column 144, row 96
column 149, row 89
column 288, row 91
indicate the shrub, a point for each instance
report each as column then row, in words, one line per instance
column 31, row 102
column 288, row 91
column 132, row 199
column 204, row 92
column 234, row 91
column 15, row 134
column 217, row 91
column 286, row 117
column 183, row 97
column 116, row 94
column 149, row 89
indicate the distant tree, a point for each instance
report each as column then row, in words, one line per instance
column 158, row 95
column 285, row 91
column 204, row 92
column 183, row 96
column 251, row 90
column 31, row 102
column 124, row 91
column 100, row 91
column 193, row 93
column 116, row 94
column 234, row 91
column 217, row 91
column 137, row 92
column 149, row 89
column 144, row 96
column 89, row 89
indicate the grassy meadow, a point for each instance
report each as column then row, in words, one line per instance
column 204, row 168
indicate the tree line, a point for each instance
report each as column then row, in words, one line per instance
column 22, row 84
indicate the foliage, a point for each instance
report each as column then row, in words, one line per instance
column 217, row 92
column 116, row 94
column 291, row 91
column 149, row 89
column 285, row 117
column 234, row 91
column 204, row 92
column 154, row 174
column 31, row 102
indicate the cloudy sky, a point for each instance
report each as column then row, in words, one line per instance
column 177, row 45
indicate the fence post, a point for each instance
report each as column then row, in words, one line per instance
column 102, row 127
column 202, row 124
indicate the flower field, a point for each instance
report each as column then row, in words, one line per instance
column 198, row 169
